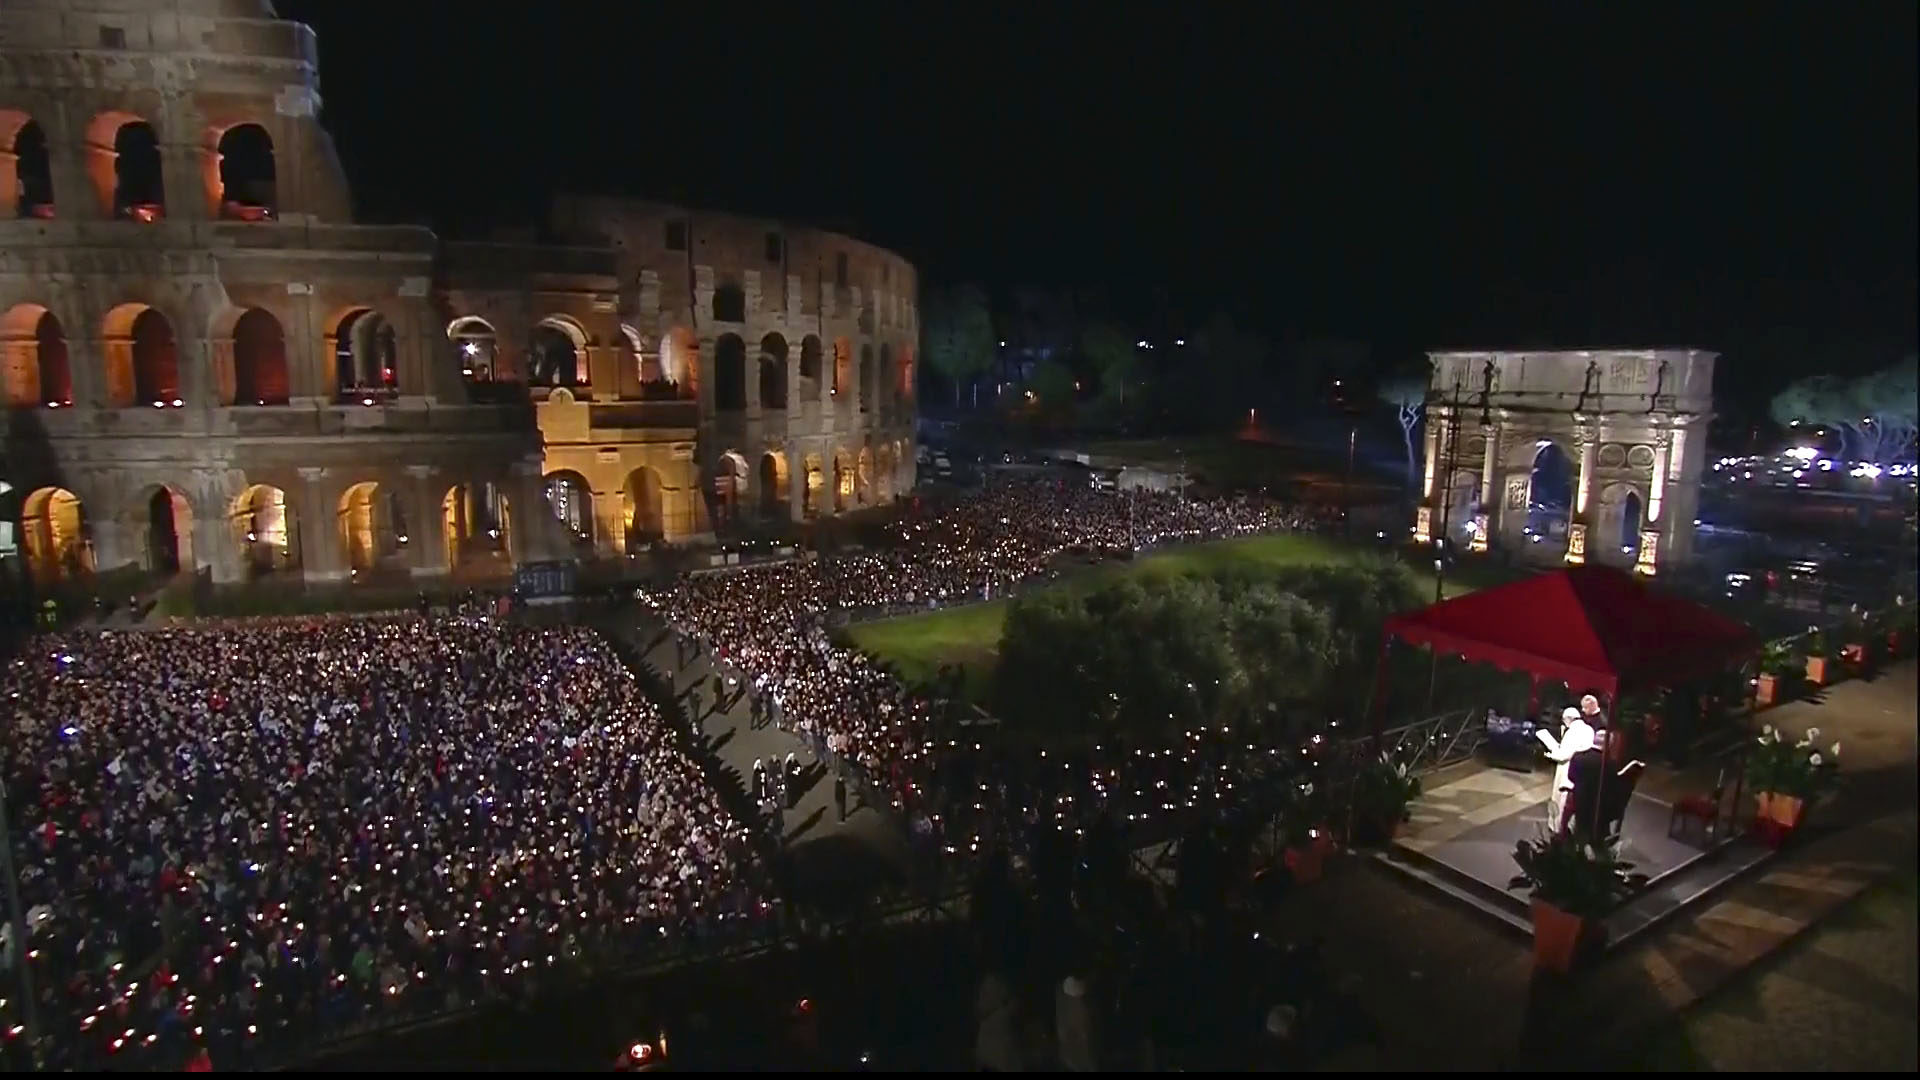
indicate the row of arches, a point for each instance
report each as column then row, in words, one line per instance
column 142, row 362
column 886, row 373
column 851, row 479
column 371, row 524
column 1541, row 506
column 252, row 365
column 642, row 508
column 126, row 165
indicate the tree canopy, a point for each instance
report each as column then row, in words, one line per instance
column 1877, row 415
column 1162, row 656
column 959, row 334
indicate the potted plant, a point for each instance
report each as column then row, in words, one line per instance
column 1818, row 653
column 1903, row 627
column 1572, row 884
column 1303, row 831
column 1780, row 662
column 1383, row 795
column 1785, row 776
column 1855, row 635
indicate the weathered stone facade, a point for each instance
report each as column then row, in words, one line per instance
column 207, row 363
column 1633, row 422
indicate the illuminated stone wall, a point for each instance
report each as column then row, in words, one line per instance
column 1633, row 422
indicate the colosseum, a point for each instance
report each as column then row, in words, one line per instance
column 211, row 367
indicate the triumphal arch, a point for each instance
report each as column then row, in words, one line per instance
column 1620, row 432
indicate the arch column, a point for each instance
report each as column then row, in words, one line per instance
column 534, row 531
column 1491, row 498
column 796, row 481
column 110, row 538
column 213, row 541
column 317, row 524
column 1587, row 438
column 426, row 532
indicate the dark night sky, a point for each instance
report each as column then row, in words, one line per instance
column 1739, row 177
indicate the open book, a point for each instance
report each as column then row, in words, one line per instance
column 1547, row 740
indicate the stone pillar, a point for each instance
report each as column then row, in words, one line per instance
column 1424, row 518
column 426, row 541
column 9, row 181
column 534, row 530
column 1491, row 498
column 1587, row 436
column 796, row 481
column 113, row 541
column 317, row 521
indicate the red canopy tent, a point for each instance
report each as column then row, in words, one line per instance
column 1592, row 627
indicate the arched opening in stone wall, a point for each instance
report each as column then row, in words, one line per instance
column 883, row 394
column 35, row 349
column 365, row 355
column 168, row 526
column 729, row 303
column 476, row 522
column 259, row 359
column 1549, row 494
column 730, row 486
column 813, row 492
column 264, row 527
column 644, row 508
column 1616, row 537
column 1630, row 511
column 906, row 372
column 866, row 377
column 842, row 367
column 842, row 481
column 773, row 485
column 570, row 498
column 143, row 363
column 474, row 344
column 53, row 536
column 557, row 353
column 729, row 373
column 810, row 368
column 647, row 366
column 773, row 372
column 26, row 188
column 680, row 363
column 124, row 159
column 372, row 527
column 246, row 182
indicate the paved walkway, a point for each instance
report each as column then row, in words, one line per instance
column 834, row 861
column 1451, row 989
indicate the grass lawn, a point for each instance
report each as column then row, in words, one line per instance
column 916, row 645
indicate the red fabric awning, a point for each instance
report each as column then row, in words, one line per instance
column 1589, row 626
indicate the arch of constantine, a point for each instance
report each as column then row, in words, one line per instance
column 1626, row 427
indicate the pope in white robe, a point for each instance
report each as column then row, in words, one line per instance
column 1577, row 735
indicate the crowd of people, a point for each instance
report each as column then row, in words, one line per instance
column 249, row 835
column 244, row 834
column 773, row 622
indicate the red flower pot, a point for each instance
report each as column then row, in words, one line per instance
column 1305, row 863
column 1817, row 670
column 1766, row 691
column 1556, row 937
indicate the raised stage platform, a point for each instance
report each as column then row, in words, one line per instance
column 1464, row 828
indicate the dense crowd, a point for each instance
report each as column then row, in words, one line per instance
column 772, row 623
column 285, row 828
